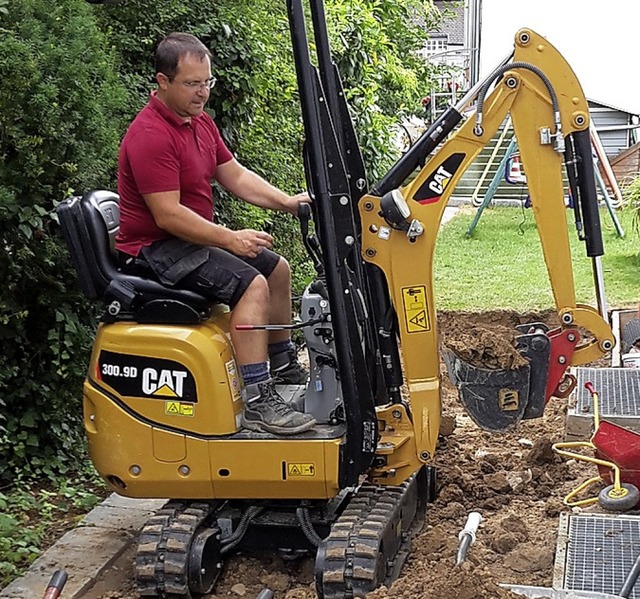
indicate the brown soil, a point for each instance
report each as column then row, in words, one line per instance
column 487, row 341
column 513, row 479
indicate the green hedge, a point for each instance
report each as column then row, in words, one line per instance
column 60, row 106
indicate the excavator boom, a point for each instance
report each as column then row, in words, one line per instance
column 400, row 227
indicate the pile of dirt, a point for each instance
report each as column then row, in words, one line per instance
column 488, row 340
column 517, row 483
column 443, row 582
column 483, row 347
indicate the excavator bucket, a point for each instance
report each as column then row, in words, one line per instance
column 496, row 400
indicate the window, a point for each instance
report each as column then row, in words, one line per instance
column 436, row 45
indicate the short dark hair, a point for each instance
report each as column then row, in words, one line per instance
column 175, row 46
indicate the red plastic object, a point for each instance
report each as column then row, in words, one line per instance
column 620, row 446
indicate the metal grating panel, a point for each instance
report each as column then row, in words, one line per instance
column 600, row 551
column 618, row 391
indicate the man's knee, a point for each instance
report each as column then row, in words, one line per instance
column 257, row 292
column 281, row 273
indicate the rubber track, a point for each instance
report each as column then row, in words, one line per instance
column 354, row 559
column 162, row 560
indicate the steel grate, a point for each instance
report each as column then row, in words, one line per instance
column 600, row 551
column 618, row 391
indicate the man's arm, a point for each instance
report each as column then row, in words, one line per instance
column 178, row 220
column 252, row 188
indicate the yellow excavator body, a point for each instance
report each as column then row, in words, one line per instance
column 162, row 415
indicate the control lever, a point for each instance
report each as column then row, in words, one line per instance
column 282, row 327
column 56, row 584
column 310, row 242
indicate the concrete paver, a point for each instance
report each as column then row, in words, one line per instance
column 449, row 213
column 86, row 551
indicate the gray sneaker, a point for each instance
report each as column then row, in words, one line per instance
column 266, row 411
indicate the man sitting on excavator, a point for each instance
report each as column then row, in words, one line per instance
column 167, row 159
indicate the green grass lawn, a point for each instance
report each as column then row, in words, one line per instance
column 502, row 266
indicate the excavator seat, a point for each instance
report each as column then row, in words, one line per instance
column 89, row 226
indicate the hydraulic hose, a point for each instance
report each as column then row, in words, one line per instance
column 498, row 73
column 232, row 540
column 307, row 527
column 630, row 581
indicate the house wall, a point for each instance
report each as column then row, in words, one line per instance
column 453, row 27
column 606, row 117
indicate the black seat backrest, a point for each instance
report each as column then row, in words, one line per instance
column 89, row 225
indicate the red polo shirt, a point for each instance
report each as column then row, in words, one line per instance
column 160, row 153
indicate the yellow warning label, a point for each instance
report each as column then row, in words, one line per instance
column 233, row 379
column 508, row 400
column 416, row 311
column 301, row 469
column 178, row 408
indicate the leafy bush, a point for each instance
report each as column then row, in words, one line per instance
column 376, row 49
column 59, row 109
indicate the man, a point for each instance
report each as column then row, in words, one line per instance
column 167, row 159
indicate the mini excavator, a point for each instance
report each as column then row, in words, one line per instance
column 162, row 399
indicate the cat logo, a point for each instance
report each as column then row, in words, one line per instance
column 440, row 180
column 130, row 375
column 167, row 383
column 432, row 189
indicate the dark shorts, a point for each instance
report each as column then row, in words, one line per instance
column 212, row 272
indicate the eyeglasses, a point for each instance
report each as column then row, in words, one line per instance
column 198, row 85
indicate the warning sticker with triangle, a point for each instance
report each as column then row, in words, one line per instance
column 172, row 407
column 416, row 310
column 178, row 408
column 420, row 320
column 301, row 469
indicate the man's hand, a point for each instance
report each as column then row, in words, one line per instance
column 295, row 201
column 249, row 243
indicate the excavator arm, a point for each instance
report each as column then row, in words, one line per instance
column 399, row 231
